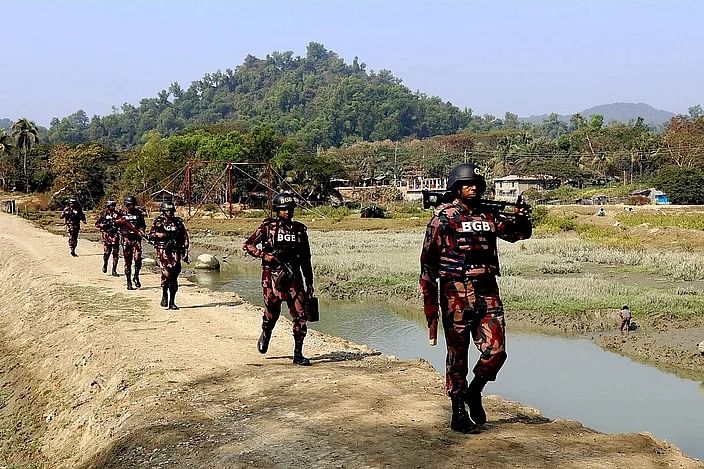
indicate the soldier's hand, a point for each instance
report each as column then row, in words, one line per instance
column 269, row 257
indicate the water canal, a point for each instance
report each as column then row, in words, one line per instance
column 563, row 377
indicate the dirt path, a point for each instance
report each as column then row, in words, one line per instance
column 92, row 375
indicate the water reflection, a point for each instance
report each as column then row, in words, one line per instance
column 564, row 378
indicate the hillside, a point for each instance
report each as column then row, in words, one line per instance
column 619, row 112
column 317, row 99
column 5, row 124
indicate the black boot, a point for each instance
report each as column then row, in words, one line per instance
column 129, row 284
column 135, row 279
column 172, row 299
column 73, row 252
column 105, row 264
column 263, row 342
column 298, row 358
column 114, row 268
column 460, row 420
column 164, row 297
column 473, row 398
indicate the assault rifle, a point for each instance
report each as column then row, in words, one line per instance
column 432, row 199
column 134, row 229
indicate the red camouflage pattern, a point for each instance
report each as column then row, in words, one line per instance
column 109, row 233
column 72, row 218
column 460, row 251
column 171, row 243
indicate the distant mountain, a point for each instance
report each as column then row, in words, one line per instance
column 5, row 124
column 619, row 112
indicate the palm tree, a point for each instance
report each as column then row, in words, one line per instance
column 25, row 134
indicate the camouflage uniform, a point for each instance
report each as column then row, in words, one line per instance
column 110, row 237
column 73, row 217
column 171, row 244
column 460, row 250
column 132, row 242
column 281, row 279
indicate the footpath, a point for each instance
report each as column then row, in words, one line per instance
column 93, row 375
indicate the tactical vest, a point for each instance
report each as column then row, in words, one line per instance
column 173, row 228
column 72, row 217
column 135, row 219
column 284, row 240
column 468, row 242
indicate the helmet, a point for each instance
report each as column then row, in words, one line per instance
column 110, row 203
column 130, row 200
column 625, row 307
column 466, row 172
column 167, row 207
column 284, row 201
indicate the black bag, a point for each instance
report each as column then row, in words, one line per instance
column 311, row 309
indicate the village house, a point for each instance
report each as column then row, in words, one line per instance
column 510, row 187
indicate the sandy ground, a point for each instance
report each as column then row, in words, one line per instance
column 92, row 375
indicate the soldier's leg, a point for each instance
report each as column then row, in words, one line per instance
column 173, row 280
column 490, row 339
column 296, row 303
column 163, row 261
column 137, row 264
column 115, row 258
column 72, row 239
column 128, row 253
column 272, row 310
column 456, row 318
column 106, row 253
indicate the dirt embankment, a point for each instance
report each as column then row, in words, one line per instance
column 92, row 375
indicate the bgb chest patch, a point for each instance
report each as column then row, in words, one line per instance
column 476, row 226
column 286, row 238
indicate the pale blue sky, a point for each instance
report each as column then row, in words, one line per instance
column 527, row 57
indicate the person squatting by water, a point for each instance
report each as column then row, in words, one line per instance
column 460, row 250
column 73, row 215
column 170, row 239
column 285, row 253
column 626, row 316
column 132, row 226
column 109, row 236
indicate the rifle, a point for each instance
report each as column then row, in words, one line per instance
column 135, row 230
column 433, row 199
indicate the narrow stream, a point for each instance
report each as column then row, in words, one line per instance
column 563, row 377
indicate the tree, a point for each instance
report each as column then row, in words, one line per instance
column 81, row 170
column 25, row 134
column 682, row 185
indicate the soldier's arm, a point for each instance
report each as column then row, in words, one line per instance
column 99, row 222
column 514, row 228
column 429, row 269
column 141, row 223
column 156, row 231
column 250, row 246
column 306, row 266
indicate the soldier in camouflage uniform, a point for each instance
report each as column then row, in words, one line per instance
column 460, row 250
column 109, row 235
column 285, row 254
column 73, row 215
column 170, row 239
column 132, row 226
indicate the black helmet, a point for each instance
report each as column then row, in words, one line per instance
column 284, row 201
column 625, row 307
column 466, row 172
column 130, row 200
column 167, row 206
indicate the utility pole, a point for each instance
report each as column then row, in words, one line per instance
column 395, row 167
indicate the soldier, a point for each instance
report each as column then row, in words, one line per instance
column 73, row 215
column 171, row 243
column 460, row 250
column 132, row 226
column 285, row 253
column 110, row 236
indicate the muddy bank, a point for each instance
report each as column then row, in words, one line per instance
column 101, row 377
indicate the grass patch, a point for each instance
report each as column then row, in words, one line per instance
column 686, row 220
column 98, row 303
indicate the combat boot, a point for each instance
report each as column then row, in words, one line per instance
column 105, row 264
column 129, row 284
column 473, row 399
column 263, row 342
column 135, row 279
column 114, row 269
column 73, row 252
column 172, row 300
column 460, row 420
column 298, row 358
column 164, row 297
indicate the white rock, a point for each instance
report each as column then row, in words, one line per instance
column 148, row 261
column 207, row 262
column 701, row 347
